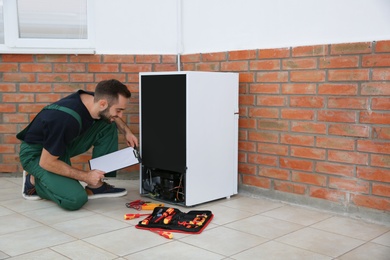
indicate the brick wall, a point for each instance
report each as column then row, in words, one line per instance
column 314, row 120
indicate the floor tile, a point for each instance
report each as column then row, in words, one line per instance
column 223, row 214
column 44, row 254
column 89, row 226
column 82, row 250
column 21, row 205
column 105, row 204
column 321, row 242
column 4, row 211
column 383, row 239
column 297, row 215
column 127, row 241
column 352, row 228
column 368, row 251
column 264, row 226
column 32, row 239
column 278, row 251
column 251, row 204
column 16, row 222
column 224, row 241
column 175, row 250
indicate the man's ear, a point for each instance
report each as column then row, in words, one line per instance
column 103, row 104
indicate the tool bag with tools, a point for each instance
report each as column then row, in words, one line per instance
column 172, row 219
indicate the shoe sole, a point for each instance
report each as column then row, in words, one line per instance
column 28, row 197
column 108, row 195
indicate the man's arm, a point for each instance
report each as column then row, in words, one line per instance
column 131, row 139
column 52, row 164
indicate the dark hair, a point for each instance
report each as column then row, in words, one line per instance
column 110, row 90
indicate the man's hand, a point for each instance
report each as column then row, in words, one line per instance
column 94, row 178
column 131, row 139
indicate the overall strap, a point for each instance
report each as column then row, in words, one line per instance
column 66, row 110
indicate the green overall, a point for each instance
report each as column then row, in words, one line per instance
column 66, row 192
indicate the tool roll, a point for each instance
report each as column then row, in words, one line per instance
column 172, row 219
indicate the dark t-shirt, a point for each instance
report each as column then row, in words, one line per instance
column 55, row 129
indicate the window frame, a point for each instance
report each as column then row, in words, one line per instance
column 14, row 44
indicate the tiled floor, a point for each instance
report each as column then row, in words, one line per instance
column 243, row 228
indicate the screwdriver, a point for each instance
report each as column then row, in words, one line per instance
column 133, row 216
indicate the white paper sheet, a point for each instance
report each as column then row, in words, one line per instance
column 114, row 161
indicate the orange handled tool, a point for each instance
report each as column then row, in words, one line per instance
column 168, row 212
column 165, row 234
column 133, row 216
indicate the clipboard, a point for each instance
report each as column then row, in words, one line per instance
column 115, row 161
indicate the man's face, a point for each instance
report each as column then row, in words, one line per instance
column 113, row 111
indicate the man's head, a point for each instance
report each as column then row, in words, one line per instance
column 111, row 96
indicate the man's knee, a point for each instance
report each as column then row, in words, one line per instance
column 77, row 201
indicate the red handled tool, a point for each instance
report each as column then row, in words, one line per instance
column 133, row 216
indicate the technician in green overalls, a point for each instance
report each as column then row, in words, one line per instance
column 69, row 127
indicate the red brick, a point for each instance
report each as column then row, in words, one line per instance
column 377, row 60
column 51, row 58
column 246, row 77
column 336, row 116
column 264, row 65
column 371, row 202
column 263, row 137
column 47, row 98
column 381, row 133
column 256, row 181
column 234, row 66
column 169, row 59
column 373, row 147
column 247, row 146
column 376, row 89
column 216, row 56
column 106, row 76
column 381, row 74
column 351, row 48
column 35, row 87
column 348, row 157
column 349, row 185
column 373, row 174
column 275, row 149
column 380, row 160
column 298, row 64
column 272, row 76
column 7, row 128
column 67, row 87
column 304, row 140
column 171, row 67
column 87, row 58
column 309, row 178
column 334, row 168
column 382, row 46
column 299, row 114
column 242, row 55
column 9, row 168
column 349, row 130
column 19, row 98
column 247, row 168
column 308, row 127
column 17, row 58
column 374, row 118
column 307, row 76
column 289, row 187
column 136, row 67
column 245, row 100
column 103, row 68
column 81, row 77
column 210, row 66
column 381, row 189
column 263, row 159
column 327, row 194
column 274, row 173
column 147, row 58
column 295, row 164
column 316, row 50
column 264, row 88
column 7, row 148
column 69, row 67
column 247, row 123
column 264, row 112
column 347, row 103
column 15, row 118
column 335, row 143
column 8, row 67
column 190, row 58
column 308, row 153
column 380, row 103
column 18, row 77
column 277, row 125
column 299, row 88
column 275, row 101
column 117, row 59
column 7, row 108
column 348, row 75
column 53, row 77
column 274, row 53
column 7, row 87
column 30, row 108
column 339, row 62
column 337, row 89
column 307, row 101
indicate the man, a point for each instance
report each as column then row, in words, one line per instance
column 69, row 127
